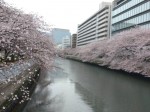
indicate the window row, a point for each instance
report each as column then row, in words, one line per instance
column 130, row 13
column 88, row 38
column 142, row 26
column 87, row 33
column 126, row 6
column 87, row 27
column 87, row 22
column 146, row 25
column 132, row 22
column 83, row 31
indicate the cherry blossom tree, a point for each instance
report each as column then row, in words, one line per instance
column 26, row 43
column 23, row 36
column 128, row 51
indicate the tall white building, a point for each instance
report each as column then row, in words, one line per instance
column 96, row 27
column 66, row 42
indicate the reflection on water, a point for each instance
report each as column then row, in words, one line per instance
column 59, row 96
column 81, row 87
column 96, row 103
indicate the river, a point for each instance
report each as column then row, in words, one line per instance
column 81, row 87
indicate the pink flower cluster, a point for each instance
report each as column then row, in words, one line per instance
column 128, row 51
column 24, row 36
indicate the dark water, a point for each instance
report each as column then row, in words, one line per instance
column 82, row 87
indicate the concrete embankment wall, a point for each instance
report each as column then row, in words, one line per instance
column 15, row 93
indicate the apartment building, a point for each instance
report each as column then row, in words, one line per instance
column 95, row 27
column 74, row 40
column 127, row 14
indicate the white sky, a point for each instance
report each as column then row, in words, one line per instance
column 66, row 14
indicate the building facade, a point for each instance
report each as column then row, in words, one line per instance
column 96, row 27
column 127, row 14
column 73, row 40
column 58, row 34
column 66, row 42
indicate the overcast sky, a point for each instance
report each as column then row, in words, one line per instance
column 66, row 14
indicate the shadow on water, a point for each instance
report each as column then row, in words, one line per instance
column 83, row 87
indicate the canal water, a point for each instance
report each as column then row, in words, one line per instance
column 81, row 87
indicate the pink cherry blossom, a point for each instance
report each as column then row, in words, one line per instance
column 128, row 51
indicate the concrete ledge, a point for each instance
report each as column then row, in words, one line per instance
column 22, row 87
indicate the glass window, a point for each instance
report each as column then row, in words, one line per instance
column 132, row 12
column 127, row 5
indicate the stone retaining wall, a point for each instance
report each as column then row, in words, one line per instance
column 16, row 90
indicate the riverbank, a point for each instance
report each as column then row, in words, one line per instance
column 128, row 51
column 132, row 74
column 17, row 85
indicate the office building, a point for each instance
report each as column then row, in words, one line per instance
column 127, row 14
column 95, row 27
column 66, row 42
column 58, row 34
column 73, row 40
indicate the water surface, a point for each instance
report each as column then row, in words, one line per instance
column 80, row 87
